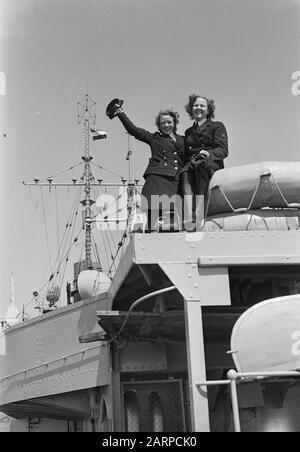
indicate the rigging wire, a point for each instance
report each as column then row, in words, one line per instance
column 67, row 232
column 104, row 232
column 98, row 209
column 79, row 148
column 109, row 237
column 111, row 256
column 105, row 250
column 108, row 171
column 108, row 225
column 62, row 240
column 109, row 234
column 71, row 220
column 119, row 196
column 57, row 226
column 25, row 306
column 80, row 258
column 95, row 249
column 126, row 239
column 46, row 229
column 63, row 171
column 101, row 209
column 120, row 244
column 71, row 236
column 71, row 245
column 67, row 236
column 138, row 191
column 67, row 169
column 65, row 257
column 41, row 288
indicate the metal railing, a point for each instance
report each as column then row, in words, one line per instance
column 234, row 377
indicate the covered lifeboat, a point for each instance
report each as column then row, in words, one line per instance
column 260, row 196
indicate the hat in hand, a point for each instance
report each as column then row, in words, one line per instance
column 112, row 107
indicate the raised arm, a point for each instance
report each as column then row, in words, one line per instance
column 139, row 133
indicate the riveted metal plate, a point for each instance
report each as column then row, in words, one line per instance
column 143, row 357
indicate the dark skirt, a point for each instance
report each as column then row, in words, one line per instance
column 158, row 185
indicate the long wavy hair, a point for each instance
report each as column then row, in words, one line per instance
column 210, row 106
column 172, row 113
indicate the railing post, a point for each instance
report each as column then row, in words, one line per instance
column 232, row 377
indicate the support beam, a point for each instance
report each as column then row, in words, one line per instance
column 209, row 285
column 116, row 391
column 196, row 366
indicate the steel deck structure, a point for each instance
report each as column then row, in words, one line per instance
column 47, row 372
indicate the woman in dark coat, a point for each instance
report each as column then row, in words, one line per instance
column 205, row 148
column 166, row 162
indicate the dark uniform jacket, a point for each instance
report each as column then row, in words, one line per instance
column 211, row 136
column 166, row 154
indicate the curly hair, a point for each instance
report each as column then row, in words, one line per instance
column 172, row 113
column 210, row 106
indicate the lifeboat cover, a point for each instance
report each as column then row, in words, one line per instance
column 254, row 186
column 267, row 336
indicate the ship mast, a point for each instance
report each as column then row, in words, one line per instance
column 87, row 116
column 12, row 288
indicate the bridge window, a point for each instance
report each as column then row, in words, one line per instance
column 156, row 411
column 131, row 412
column 251, row 284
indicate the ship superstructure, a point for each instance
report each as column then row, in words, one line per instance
column 140, row 355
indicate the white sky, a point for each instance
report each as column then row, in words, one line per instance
column 152, row 54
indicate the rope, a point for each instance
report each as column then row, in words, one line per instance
column 242, row 209
column 67, row 169
column 72, row 217
column 112, row 238
column 262, row 218
column 66, row 257
column 254, row 194
column 106, row 234
column 59, row 261
column 109, row 247
column 245, row 209
column 108, row 226
column 108, row 171
column 71, row 237
column 124, row 243
column 33, row 298
column 105, row 250
column 63, row 171
column 94, row 245
column 57, row 226
column 119, row 246
column 49, row 280
column 296, row 205
column 111, row 244
column 46, row 230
